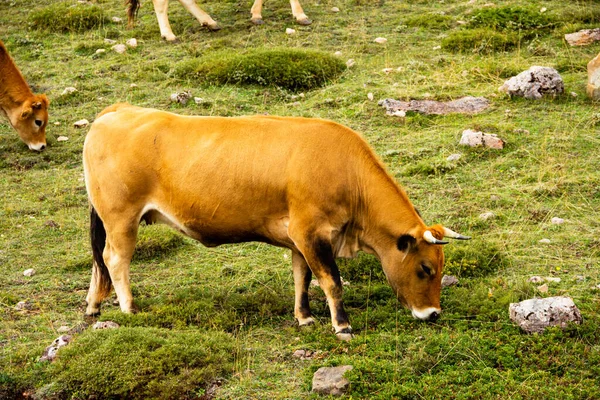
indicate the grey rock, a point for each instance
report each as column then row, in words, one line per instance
column 535, row 315
column 557, row 221
column 583, row 37
column 50, row 351
column 454, row 157
column 487, row 215
column 29, row 272
column 464, row 105
column 105, row 325
column 476, row 139
column 449, row 280
column 24, row 305
column 181, row 97
column 331, row 381
column 534, row 83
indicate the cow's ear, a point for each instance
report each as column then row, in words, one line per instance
column 406, row 242
column 26, row 112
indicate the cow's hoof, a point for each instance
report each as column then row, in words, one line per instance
column 257, row 21
column 171, row 40
column 214, row 28
column 305, row 321
column 304, row 21
column 345, row 334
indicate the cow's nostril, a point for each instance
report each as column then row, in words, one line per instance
column 434, row 316
column 42, row 147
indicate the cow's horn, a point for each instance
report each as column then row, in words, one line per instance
column 451, row 234
column 430, row 239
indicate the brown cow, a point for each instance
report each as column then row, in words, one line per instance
column 310, row 185
column 27, row 113
column 161, row 8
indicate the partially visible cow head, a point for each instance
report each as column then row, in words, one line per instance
column 414, row 269
column 30, row 121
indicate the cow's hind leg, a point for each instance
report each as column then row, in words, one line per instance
column 317, row 250
column 302, row 277
column 298, row 13
column 120, row 244
column 200, row 15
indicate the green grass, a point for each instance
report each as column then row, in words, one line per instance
column 225, row 315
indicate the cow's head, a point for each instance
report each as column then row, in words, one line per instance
column 414, row 269
column 30, row 121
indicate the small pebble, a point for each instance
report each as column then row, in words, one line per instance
column 545, row 241
column 536, row 279
column 337, row 53
column 487, row 215
column 29, row 272
column 82, row 123
column 399, row 113
column 119, row 48
column 131, row 42
column 543, row 288
column 370, row 96
column 109, row 41
column 350, row 63
column 62, row 139
column 133, row 86
column 335, row 9
column 116, row 20
column 290, row 31
column 105, row 325
column 380, row 40
column 557, row 221
column 68, row 90
column 454, row 157
column 63, row 329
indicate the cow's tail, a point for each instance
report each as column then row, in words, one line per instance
column 132, row 8
column 98, row 239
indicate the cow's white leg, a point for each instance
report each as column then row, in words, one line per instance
column 256, row 12
column 302, row 277
column 298, row 13
column 315, row 246
column 120, row 244
column 200, row 15
column 161, row 8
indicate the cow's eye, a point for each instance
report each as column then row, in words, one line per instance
column 426, row 269
column 39, row 122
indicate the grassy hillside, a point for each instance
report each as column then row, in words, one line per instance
column 219, row 322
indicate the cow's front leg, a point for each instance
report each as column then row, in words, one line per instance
column 298, row 13
column 302, row 277
column 161, row 8
column 318, row 253
column 200, row 15
column 256, row 12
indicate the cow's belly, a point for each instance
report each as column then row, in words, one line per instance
column 272, row 230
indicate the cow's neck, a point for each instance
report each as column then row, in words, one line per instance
column 388, row 215
column 13, row 88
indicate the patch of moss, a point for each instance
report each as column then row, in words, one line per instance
column 292, row 69
column 481, row 41
column 67, row 17
column 472, row 259
column 156, row 241
column 141, row 363
column 512, row 19
column 430, row 21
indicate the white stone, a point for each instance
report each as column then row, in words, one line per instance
column 63, row 329
column 350, row 63
column 105, row 325
column 50, row 351
column 29, row 272
column 370, row 96
column 557, row 221
column 475, row 139
column 100, row 51
column 335, row 9
column 380, row 40
column 543, row 288
column 388, row 70
column 543, row 9
column 82, row 123
column 534, row 83
column 337, row 53
column 133, row 86
column 62, row 139
column 536, row 279
column 109, row 41
column 545, row 241
column 436, row 47
column 290, row 31
column 198, row 100
column 331, row 381
column 119, row 48
column 487, row 215
column 132, row 42
column 116, row 19
column 535, row 315
column 449, row 280
column 454, row 157
column 68, row 90
column 398, row 113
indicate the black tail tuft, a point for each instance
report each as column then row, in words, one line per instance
column 132, row 9
column 98, row 239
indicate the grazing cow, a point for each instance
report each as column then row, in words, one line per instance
column 27, row 113
column 310, row 185
column 161, row 9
